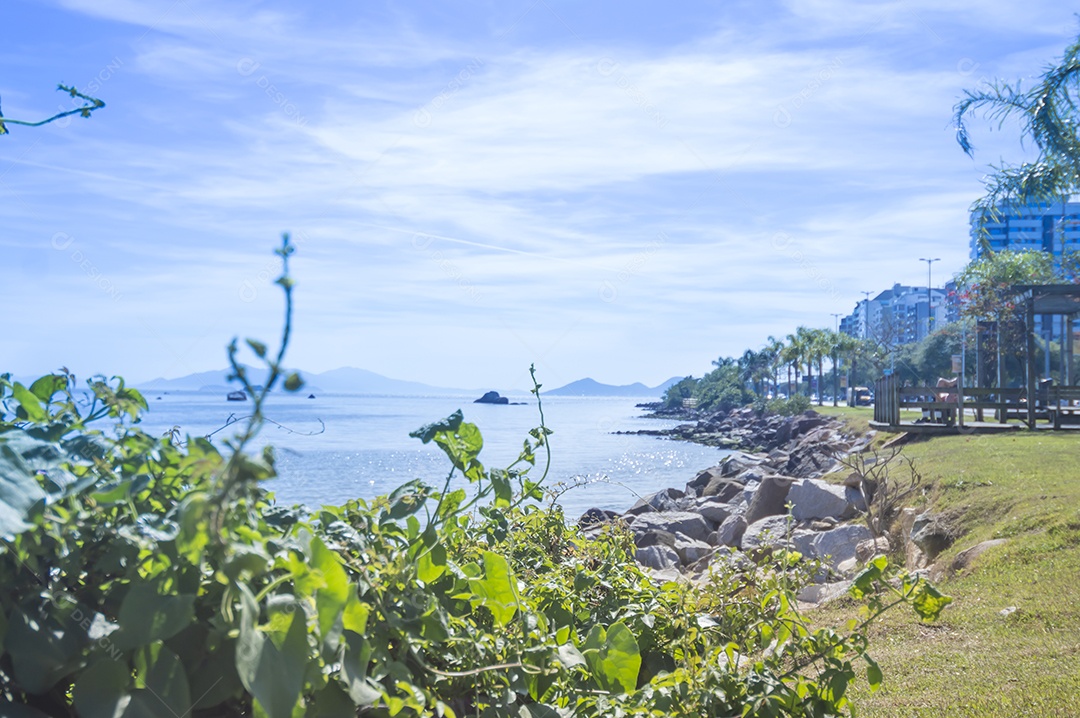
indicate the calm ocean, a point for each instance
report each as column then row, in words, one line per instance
column 366, row 450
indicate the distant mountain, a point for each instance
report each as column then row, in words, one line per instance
column 361, row 381
column 591, row 387
column 345, row 380
column 210, row 380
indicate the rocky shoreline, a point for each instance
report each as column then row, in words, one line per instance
column 767, row 494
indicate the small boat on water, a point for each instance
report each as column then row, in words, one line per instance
column 236, row 396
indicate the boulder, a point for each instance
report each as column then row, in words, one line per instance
column 713, row 511
column 666, row 500
column 492, row 397
column 723, row 489
column 810, row 419
column 769, row 531
column 730, row 532
column 855, row 498
column 839, row 544
column 822, row 592
column 816, row 499
column 848, row 567
column 736, row 462
column 654, row 538
column 968, row 555
column 693, row 525
column 914, row 557
column 769, row 499
column 931, row 534
column 691, row 550
column 866, row 550
column 696, row 485
column 596, row 516
column 658, row 557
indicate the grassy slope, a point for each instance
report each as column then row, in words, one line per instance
column 975, row 662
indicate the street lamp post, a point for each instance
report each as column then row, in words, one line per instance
column 929, row 296
column 835, row 370
column 866, row 314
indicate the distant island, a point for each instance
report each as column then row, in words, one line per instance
column 591, row 387
column 349, row 380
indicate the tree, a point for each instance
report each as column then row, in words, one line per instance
column 987, row 294
column 1048, row 115
column 89, row 105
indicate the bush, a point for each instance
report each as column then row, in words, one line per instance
column 789, row 407
column 137, row 572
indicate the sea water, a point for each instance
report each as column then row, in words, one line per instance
column 338, row 446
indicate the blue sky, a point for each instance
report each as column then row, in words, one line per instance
column 617, row 190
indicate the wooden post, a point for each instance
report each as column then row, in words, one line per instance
column 1032, row 389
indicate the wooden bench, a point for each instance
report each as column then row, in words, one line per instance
column 1062, row 400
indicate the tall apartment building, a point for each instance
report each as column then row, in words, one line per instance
column 1041, row 226
column 1051, row 227
column 899, row 315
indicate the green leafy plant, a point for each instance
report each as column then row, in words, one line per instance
column 141, row 576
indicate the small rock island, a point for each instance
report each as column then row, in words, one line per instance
column 492, row 397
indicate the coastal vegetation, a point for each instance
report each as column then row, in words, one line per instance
column 148, row 575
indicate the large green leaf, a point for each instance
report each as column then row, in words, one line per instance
column 214, row 679
column 166, row 693
column 31, row 405
column 147, row 616
column 354, row 667
column 497, row 590
column 19, row 488
column 101, row 690
column 333, row 594
column 274, row 676
column 46, row 386
column 613, row 657
column 43, row 649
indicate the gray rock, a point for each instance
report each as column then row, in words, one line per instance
column 690, row 550
column 738, row 461
column 654, row 537
column 658, row 557
column 723, row 489
column 748, row 493
column 713, row 511
column 816, row 499
column 848, row 567
column 769, row 531
column 866, row 550
column 968, row 555
column 838, row 545
column 855, row 498
column 770, row 498
column 696, row 485
column 730, row 532
column 930, row 534
column 596, row 516
column 666, row 500
column 802, row 540
column 693, row 525
column 854, row 479
column 914, row 558
column 823, row 592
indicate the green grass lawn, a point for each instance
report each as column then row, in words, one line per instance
column 1024, row 487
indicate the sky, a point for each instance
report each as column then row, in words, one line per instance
column 623, row 191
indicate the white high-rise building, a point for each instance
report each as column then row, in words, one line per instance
column 1041, row 226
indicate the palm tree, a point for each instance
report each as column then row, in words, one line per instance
column 774, row 347
column 792, row 356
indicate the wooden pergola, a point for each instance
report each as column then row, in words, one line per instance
column 1056, row 300
column 945, row 405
